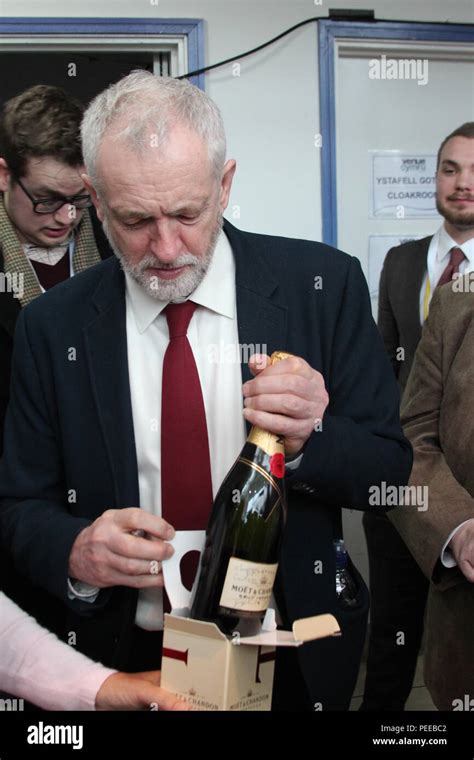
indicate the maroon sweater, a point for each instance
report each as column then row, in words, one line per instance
column 49, row 275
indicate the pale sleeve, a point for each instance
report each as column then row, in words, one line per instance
column 36, row 666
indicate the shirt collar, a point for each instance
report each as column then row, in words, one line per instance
column 216, row 291
column 445, row 243
column 43, row 255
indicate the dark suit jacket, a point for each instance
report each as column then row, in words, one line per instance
column 436, row 417
column 70, row 449
column 399, row 303
column 10, row 308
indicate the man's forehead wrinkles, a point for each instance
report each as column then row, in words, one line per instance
column 164, row 209
column 138, row 201
column 49, row 189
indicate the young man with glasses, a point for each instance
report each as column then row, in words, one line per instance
column 46, row 231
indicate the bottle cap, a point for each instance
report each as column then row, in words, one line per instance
column 279, row 356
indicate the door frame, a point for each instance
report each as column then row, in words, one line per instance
column 185, row 37
column 330, row 33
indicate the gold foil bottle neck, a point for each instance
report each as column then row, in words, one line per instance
column 271, row 443
column 268, row 442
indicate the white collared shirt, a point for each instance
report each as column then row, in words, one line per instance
column 438, row 259
column 213, row 336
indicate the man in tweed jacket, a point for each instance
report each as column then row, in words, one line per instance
column 47, row 233
column 41, row 244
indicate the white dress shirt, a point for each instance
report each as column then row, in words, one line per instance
column 438, row 259
column 213, row 336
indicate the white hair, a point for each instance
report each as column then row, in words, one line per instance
column 141, row 106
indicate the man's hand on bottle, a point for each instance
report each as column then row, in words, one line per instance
column 288, row 398
column 123, row 547
column 136, row 691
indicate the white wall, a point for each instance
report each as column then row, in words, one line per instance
column 272, row 110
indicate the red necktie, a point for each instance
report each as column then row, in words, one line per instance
column 455, row 259
column 186, row 485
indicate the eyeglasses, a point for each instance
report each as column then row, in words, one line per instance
column 50, row 205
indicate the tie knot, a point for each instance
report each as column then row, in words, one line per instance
column 179, row 316
column 456, row 257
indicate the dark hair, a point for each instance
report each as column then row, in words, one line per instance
column 41, row 121
column 465, row 130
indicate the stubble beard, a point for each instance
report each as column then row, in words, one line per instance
column 461, row 220
column 168, row 290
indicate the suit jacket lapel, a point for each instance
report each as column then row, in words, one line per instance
column 261, row 307
column 106, row 345
column 418, row 263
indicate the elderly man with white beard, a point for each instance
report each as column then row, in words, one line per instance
column 142, row 426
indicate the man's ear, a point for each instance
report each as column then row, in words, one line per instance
column 226, row 183
column 93, row 193
column 5, row 175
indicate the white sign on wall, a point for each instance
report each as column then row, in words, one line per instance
column 402, row 185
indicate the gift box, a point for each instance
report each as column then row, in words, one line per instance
column 213, row 671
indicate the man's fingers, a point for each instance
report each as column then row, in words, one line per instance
column 274, row 423
column 294, row 365
column 284, row 404
column 115, row 570
column 130, row 566
column 283, row 383
column 134, row 519
column 127, row 545
column 258, row 362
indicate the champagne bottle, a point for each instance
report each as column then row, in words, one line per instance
column 240, row 558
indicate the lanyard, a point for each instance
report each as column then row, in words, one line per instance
column 426, row 301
